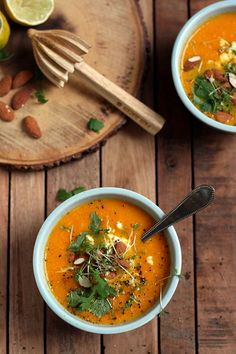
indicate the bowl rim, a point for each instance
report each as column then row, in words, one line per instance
column 55, row 216
column 186, row 31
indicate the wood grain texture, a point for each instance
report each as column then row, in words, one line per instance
column 128, row 161
column 177, row 330
column 4, row 188
column 115, row 32
column 215, row 237
column 61, row 337
column 26, row 305
column 120, row 158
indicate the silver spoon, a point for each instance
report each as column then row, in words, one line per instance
column 195, row 201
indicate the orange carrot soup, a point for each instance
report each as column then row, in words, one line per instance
column 97, row 266
column 208, row 68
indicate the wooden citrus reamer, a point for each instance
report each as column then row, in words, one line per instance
column 58, row 53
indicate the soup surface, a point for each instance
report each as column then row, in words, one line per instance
column 208, row 68
column 97, row 266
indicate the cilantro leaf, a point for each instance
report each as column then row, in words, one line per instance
column 78, row 190
column 102, row 288
column 95, row 223
column 93, row 299
column 79, row 298
column 39, row 94
column 209, row 97
column 76, row 245
column 99, row 307
column 74, row 297
column 95, row 125
column 63, row 194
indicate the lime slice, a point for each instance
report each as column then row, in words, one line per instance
column 29, row 12
column 4, row 31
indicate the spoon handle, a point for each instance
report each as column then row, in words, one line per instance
column 195, row 201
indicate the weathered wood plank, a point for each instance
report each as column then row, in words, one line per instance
column 128, row 160
column 177, row 330
column 61, row 337
column 26, row 305
column 215, row 237
column 120, row 159
column 4, row 187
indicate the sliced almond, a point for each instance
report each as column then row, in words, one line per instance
column 232, row 79
column 192, row 62
column 79, row 261
column 84, row 282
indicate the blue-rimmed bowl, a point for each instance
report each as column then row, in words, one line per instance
column 180, row 42
column 85, row 197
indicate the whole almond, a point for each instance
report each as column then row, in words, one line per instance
column 21, row 97
column 21, row 78
column 223, row 117
column 6, row 113
column 219, row 75
column 31, row 127
column 120, row 247
column 5, row 85
column 122, row 262
column 234, row 98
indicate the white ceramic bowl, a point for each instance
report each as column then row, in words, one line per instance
column 85, row 197
column 187, row 30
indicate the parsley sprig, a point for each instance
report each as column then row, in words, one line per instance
column 210, row 96
column 63, row 194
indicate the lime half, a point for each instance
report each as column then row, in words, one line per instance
column 4, row 31
column 29, row 12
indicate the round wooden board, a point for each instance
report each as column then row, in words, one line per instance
column 114, row 29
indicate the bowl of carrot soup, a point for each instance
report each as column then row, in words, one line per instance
column 92, row 268
column 204, row 65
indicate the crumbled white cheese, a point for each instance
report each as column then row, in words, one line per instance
column 150, row 260
column 225, row 58
column 224, row 43
column 119, row 225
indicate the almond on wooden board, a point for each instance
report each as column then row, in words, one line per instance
column 6, row 113
column 31, row 127
column 21, row 97
column 5, row 85
column 21, row 78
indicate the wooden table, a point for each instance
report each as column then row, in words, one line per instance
column 202, row 314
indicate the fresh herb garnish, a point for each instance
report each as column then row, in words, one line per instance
column 230, row 68
column 94, row 299
column 4, row 55
column 95, row 125
column 63, row 194
column 210, row 97
column 39, row 94
column 76, row 244
column 95, row 223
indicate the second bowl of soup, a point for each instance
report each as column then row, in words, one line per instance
column 94, row 271
column 204, row 65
